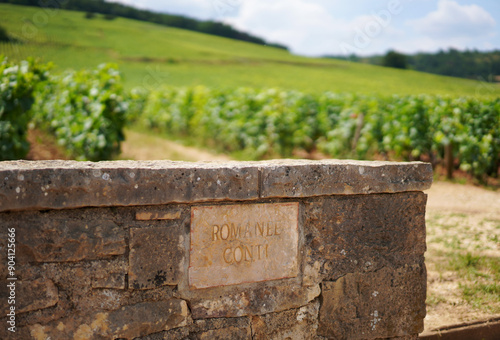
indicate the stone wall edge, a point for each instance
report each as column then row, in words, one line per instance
column 38, row 185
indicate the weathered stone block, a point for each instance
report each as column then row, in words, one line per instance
column 219, row 328
column 382, row 304
column 157, row 215
column 27, row 295
column 294, row 324
column 251, row 300
column 300, row 178
column 112, row 280
column 20, row 333
column 110, row 274
column 148, row 317
column 34, row 295
column 69, row 184
column 127, row 322
column 224, row 333
column 346, row 234
column 66, row 236
column 156, row 257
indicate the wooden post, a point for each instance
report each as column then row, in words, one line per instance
column 357, row 133
column 448, row 159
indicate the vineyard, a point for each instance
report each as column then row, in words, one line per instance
column 87, row 110
column 274, row 123
column 17, row 86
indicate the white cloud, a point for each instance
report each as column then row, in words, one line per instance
column 308, row 28
column 303, row 26
column 369, row 34
column 454, row 21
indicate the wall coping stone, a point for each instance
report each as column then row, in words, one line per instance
column 37, row 185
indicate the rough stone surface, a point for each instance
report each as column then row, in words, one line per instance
column 158, row 215
column 29, row 295
column 21, row 333
column 256, row 299
column 362, row 233
column 219, row 328
column 224, row 333
column 243, row 243
column 336, row 177
column 111, row 280
column 38, row 294
column 382, row 304
column 294, row 324
column 49, row 236
column 156, row 257
column 69, row 184
column 109, row 274
column 125, row 323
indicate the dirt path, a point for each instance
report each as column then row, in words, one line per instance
column 43, row 146
column 139, row 146
column 461, row 220
column 463, row 198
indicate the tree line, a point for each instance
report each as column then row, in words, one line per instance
column 113, row 9
column 471, row 64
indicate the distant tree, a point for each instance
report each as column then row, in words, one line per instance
column 471, row 64
column 109, row 16
column 395, row 59
column 353, row 57
column 89, row 15
column 283, row 47
column 3, row 34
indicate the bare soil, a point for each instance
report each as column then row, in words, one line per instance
column 139, row 146
column 43, row 147
column 460, row 219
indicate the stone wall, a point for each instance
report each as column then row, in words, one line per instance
column 239, row 250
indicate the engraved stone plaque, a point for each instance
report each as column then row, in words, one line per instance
column 234, row 244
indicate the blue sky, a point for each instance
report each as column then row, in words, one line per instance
column 319, row 27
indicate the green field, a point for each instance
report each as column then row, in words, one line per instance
column 150, row 55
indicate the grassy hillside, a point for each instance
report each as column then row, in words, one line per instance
column 150, row 55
